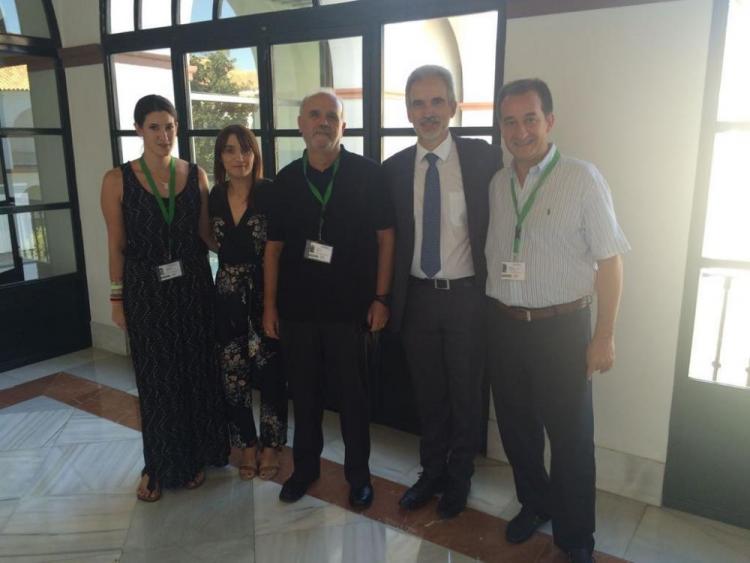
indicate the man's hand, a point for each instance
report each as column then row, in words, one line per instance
column 377, row 316
column 600, row 355
column 271, row 322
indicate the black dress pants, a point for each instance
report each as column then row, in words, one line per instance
column 538, row 375
column 325, row 359
column 444, row 338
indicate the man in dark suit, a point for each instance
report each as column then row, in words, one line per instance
column 439, row 191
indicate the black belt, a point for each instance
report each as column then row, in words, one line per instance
column 439, row 283
column 528, row 315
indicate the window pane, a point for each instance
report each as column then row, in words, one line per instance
column 224, row 88
column 137, row 74
column 28, row 92
column 727, row 228
column 735, row 79
column 391, row 145
column 719, row 351
column 156, row 13
column 6, row 250
column 195, row 10
column 302, row 68
column 36, row 169
column 131, row 148
column 120, row 16
column 465, row 45
column 232, row 8
column 291, row 148
column 45, row 242
column 24, row 17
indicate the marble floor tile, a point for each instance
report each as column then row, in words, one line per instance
column 15, row 545
column 114, row 371
column 84, row 427
column 71, row 514
column 273, row 516
column 97, row 468
column 617, row 519
column 492, row 488
column 221, row 509
column 6, row 381
column 110, row 556
column 53, row 365
column 37, row 404
column 393, row 454
column 230, row 551
column 20, row 469
column 6, row 510
column 670, row 536
column 29, row 430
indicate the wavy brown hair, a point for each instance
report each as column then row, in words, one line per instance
column 248, row 143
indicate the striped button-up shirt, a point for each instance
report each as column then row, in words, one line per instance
column 571, row 226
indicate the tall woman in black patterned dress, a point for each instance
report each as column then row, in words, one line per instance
column 238, row 205
column 156, row 210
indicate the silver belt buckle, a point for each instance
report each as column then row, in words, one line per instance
column 442, row 284
column 528, row 315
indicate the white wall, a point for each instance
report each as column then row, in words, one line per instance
column 628, row 88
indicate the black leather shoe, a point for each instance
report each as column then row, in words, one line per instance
column 581, row 555
column 294, row 489
column 421, row 492
column 361, row 497
column 453, row 501
column 524, row 525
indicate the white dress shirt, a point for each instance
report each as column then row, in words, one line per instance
column 455, row 248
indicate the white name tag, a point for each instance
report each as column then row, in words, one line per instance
column 318, row 251
column 515, row 271
column 169, row 271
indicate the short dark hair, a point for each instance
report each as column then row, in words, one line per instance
column 518, row 87
column 247, row 142
column 427, row 71
column 151, row 103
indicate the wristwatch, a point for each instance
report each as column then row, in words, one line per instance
column 383, row 299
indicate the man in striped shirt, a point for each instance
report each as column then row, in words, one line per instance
column 553, row 241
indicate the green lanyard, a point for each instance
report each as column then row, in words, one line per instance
column 322, row 198
column 521, row 216
column 168, row 214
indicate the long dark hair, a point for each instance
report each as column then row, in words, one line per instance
column 150, row 103
column 247, row 142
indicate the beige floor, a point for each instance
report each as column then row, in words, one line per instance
column 68, row 480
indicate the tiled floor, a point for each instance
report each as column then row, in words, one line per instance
column 69, row 473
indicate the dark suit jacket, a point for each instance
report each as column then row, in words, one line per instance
column 479, row 161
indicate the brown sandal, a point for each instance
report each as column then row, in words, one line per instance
column 149, row 493
column 269, row 469
column 196, row 481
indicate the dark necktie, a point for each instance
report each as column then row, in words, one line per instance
column 430, row 261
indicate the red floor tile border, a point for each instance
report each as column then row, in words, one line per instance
column 473, row 533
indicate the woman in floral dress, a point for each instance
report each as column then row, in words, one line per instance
column 238, row 205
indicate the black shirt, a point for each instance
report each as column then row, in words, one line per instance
column 359, row 206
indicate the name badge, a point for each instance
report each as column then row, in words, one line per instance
column 169, row 271
column 318, row 252
column 514, row 271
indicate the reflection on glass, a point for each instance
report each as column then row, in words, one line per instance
column 727, row 228
column 6, row 250
column 719, row 349
column 465, row 45
column 139, row 73
column 735, row 79
column 223, row 88
column 24, row 17
column 233, row 8
column 195, row 10
column 36, row 169
column 28, row 92
column 45, row 243
column 131, row 148
column 302, row 68
column 120, row 16
column 156, row 13
column 289, row 149
column 391, row 145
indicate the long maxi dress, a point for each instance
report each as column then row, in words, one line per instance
column 246, row 355
column 170, row 329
